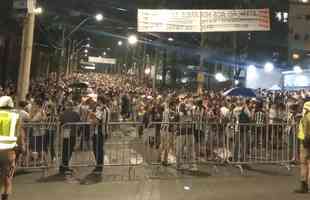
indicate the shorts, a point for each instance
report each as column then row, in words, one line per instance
column 304, row 154
column 7, row 163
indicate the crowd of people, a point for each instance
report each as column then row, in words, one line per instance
column 127, row 99
column 97, row 99
column 123, row 98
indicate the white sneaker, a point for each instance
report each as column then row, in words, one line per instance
column 193, row 168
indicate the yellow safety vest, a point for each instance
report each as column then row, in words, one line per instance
column 301, row 134
column 8, row 124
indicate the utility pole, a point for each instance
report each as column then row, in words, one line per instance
column 68, row 57
column 62, row 54
column 201, row 76
column 26, row 55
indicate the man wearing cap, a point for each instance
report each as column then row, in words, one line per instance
column 304, row 137
column 11, row 142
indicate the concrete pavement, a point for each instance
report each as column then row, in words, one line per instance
column 256, row 185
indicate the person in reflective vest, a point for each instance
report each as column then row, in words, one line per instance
column 304, row 137
column 11, row 142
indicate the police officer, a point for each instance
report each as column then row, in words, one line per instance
column 304, row 137
column 11, row 143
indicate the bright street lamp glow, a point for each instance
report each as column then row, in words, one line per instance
column 104, row 53
column 251, row 69
column 295, row 56
column 297, row 69
column 268, row 67
column 220, row 77
column 87, row 45
column 170, row 39
column 147, row 71
column 38, row 10
column 236, row 82
column 85, row 51
column 251, row 72
column 120, row 43
column 99, row 17
column 133, row 39
column 304, row 1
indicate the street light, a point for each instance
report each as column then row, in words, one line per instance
column 99, row 17
column 170, row 39
column 220, row 77
column 120, row 43
column 38, row 10
column 295, row 56
column 87, row 45
column 104, row 53
column 132, row 39
column 251, row 72
column 268, row 67
column 85, row 51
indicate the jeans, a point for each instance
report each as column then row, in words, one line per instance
column 98, row 148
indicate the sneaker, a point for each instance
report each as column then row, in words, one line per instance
column 97, row 170
column 165, row 163
column 303, row 188
column 193, row 168
column 69, row 178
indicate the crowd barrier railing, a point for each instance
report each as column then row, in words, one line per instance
column 193, row 143
column 41, row 146
column 104, row 146
column 263, row 144
column 132, row 144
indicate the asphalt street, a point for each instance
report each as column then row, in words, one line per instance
column 253, row 186
column 150, row 182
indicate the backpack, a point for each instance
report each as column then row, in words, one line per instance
column 243, row 117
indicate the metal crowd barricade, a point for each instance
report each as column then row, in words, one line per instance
column 41, row 146
column 263, row 144
column 186, row 144
column 194, row 143
column 101, row 145
column 129, row 145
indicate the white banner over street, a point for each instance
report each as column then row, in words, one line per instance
column 203, row 20
column 102, row 60
column 168, row 20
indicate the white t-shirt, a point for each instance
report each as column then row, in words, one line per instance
column 224, row 111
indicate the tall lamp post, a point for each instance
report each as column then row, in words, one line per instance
column 26, row 53
column 97, row 17
column 132, row 41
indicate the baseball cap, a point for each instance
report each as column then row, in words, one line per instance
column 6, row 101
